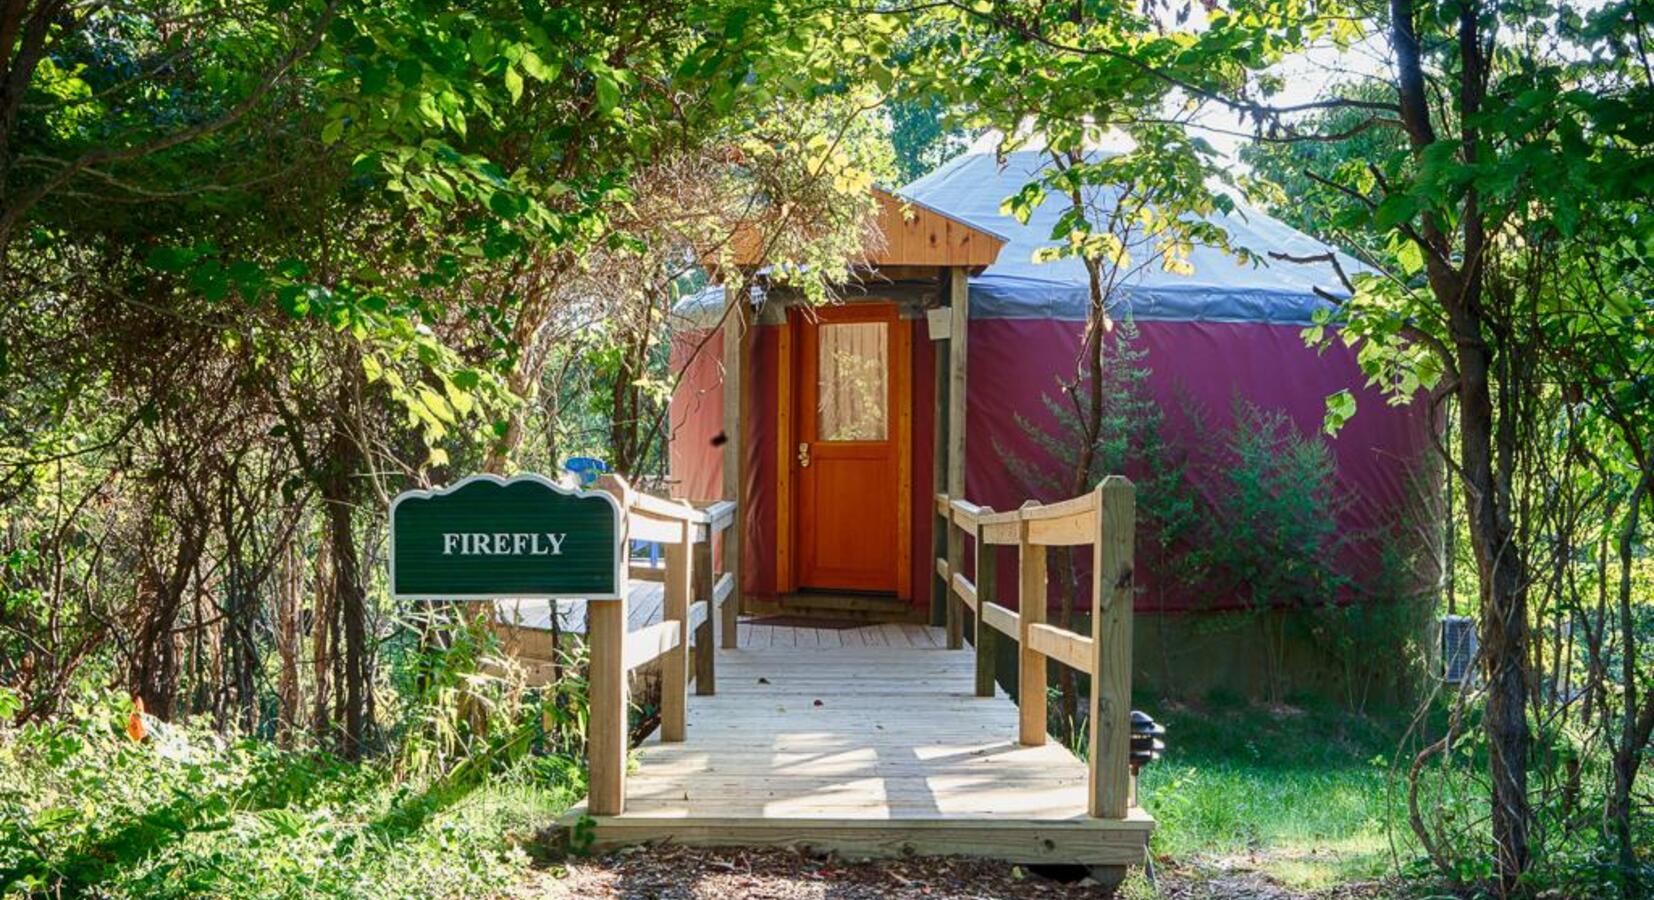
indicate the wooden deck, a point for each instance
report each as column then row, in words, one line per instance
column 868, row 741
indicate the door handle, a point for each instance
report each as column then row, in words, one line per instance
column 803, row 455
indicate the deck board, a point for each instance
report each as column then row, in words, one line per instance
column 869, row 741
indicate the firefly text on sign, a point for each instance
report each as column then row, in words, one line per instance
column 502, row 543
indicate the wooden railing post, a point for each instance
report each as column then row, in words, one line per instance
column 732, row 603
column 674, row 664
column 956, row 563
column 1112, row 597
column 606, row 744
column 706, row 634
column 1031, row 686
column 987, row 591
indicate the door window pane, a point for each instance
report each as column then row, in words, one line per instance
column 852, row 391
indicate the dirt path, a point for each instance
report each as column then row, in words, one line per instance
column 671, row 873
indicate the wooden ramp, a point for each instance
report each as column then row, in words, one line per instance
column 867, row 741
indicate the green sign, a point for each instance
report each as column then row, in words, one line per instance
column 489, row 538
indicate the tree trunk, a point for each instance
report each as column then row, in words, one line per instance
column 349, row 597
column 1635, row 726
column 321, row 647
column 1458, row 288
column 1504, row 614
column 289, row 589
column 154, row 677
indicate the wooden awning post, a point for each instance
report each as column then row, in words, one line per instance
column 737, row 337
column 959, row 304
column 1112, row 597
column 937, row 321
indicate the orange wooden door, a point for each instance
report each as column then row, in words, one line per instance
column 846, row 449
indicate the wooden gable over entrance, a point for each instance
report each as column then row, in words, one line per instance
column 921, row 259
column 919, row 237
column 914, row 242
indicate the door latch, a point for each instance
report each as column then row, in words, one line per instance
column 803, row 455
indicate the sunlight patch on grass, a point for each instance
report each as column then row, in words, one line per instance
column 1301, row 798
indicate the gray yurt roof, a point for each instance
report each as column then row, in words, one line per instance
column 1222, row 287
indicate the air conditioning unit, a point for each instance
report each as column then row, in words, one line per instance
column 1459, row 648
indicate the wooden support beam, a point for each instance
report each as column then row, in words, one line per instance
column 1000, row 533
column 720, row 514
column 606, row 740
column 956, row 563
column 722, row 589
column 1073, row 650
column 674, row 664
column 645, row 572
column 987, row 588
column 706, row 632
column 641, row 526
column 737, row 347
column 966, row 591
column 958, row 346
column 1113, row 594
column 785, row 447
column 939, row 602
column 1031, row 668
column 651, row 642
column 1002, row 620
column 1068, row 523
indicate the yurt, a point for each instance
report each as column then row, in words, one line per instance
column 835, row 427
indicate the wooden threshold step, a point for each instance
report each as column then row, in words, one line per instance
column 1082, row 841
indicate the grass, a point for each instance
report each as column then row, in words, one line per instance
column 1302, row 794
column 86, row 810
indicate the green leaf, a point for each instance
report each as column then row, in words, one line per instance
column 608, row 92
column 1340, row 409
column 284, row 821
column 170, row 259
column 1396, row 209
column 1409, row 257
column 481, row 46
column 438, row 407
column 535, row 66
column 506, row 204
column 513, row 83
column 410, row 72
column 332, row 131
column 460, row 400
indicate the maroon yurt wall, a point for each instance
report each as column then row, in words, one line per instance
column 1015, row 362
column 1205, row 366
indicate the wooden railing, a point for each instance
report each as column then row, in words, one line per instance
column 696, row 591
column 1104, row 520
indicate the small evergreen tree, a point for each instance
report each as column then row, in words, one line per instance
column 1127, row 440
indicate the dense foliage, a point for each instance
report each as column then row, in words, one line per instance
column 261, row 268
column 264, row 265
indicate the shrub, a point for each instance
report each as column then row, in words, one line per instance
column 85, row 808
